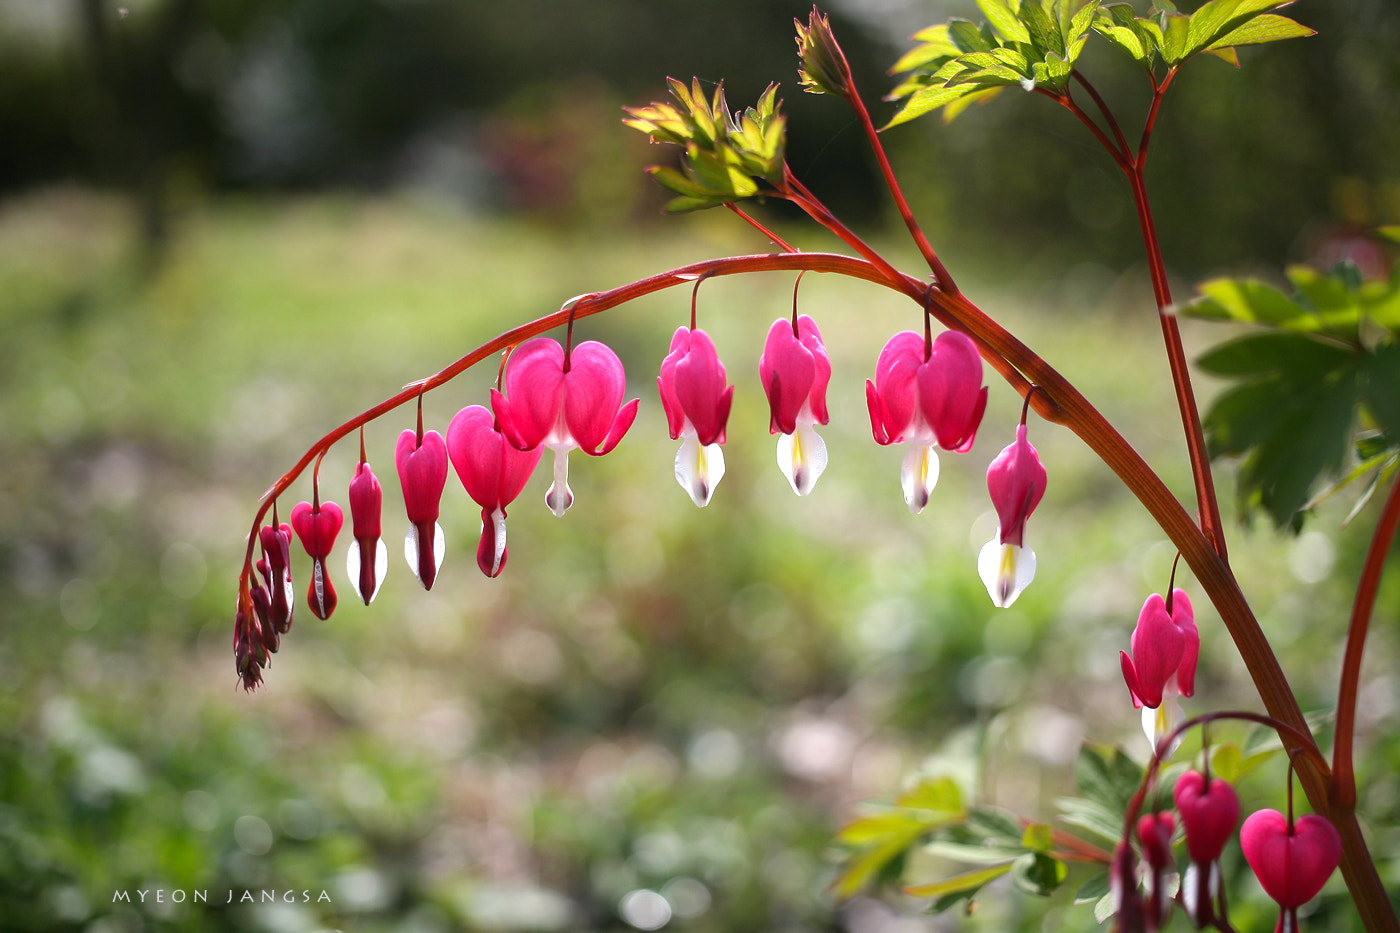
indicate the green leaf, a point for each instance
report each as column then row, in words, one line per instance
column 1038, row 873
column 1038, row 837
column 940, row 794
column 1045, row 35
column 1217, row 18
column 996, row 826
column 969, row 37
column 1093, row 889
column 1004, row 20
column 1171, row 31
column 1274, row 353
column 1102, row 823
column 1249, row 301
column 964, row 885
column 1226, row 761
column 931, row 99
column 1381, row 375
column 1268, row 27
column 1106, row 776
column 865, row 866
column 935, row 48
column 1120, row 25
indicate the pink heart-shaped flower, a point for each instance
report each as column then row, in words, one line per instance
column 1208, row 811
column 1291, row 866
column 317, row 527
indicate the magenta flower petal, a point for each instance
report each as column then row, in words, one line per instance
column 366, row 561
column 1209, row 813
column 317, row 527
column 951, row 393
column 1291, row 863
column 422, row 467
column 700, row 389
column 491, row 470
column 1157, row 646
column 1184, row 618
column 1016, row 481
column 535, row 387
column 593, row 390
column 788, row 371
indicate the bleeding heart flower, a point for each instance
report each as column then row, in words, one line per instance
column 1016, row 481
column 1154, row 832
column 564, row 401
column 697, row 401
column 275, row 566
column 926, row 392
column 1209, row 812
column 1291, row 860
column 249, row 653
column 367, row 561
column 317, row 525
column 493, row 473
column 421, row 459
column 795, row 370
column 1166, row 647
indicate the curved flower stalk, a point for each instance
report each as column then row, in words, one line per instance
column 926, row 392
column 1165, row 646
column 493, row 472
column 795, row 370
column 317, row 523
column 1016, row 481
column 367, row 560
column 564, row 400
column 421, row 459
column 697, row 402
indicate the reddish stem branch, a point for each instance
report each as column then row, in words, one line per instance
column 1343, row 773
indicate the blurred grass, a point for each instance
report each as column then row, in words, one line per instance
column 651, row 698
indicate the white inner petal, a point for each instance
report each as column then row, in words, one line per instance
column 498, row 517
column 802, row 457
column 410, row 548
column 918, row 475
column 699, row 468
column 352, row 567
column 560, row 496
column 1006, row 569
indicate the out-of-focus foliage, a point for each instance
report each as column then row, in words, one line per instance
column 1320, row 364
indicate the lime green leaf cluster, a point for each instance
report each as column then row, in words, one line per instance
column 1216, row 28
column 1324, row 361
column 1030, row 43
column 727, row 155
column 989, row 843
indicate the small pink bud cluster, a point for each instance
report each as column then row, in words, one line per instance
column 1292, row 859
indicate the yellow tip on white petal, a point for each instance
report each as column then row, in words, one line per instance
column 918, row 475
column 802, row 458
column 699, row 468
column 1158, row 723
column 1006, row 569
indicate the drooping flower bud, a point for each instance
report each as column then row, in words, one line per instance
column 1154, row 832
column 276, row 541
column 795, row 370
column 248, row 652
column 317, row 526
column 493, row 473
column 697, row 401
column 421, row 459
column 367, row 561
column 1016, row 481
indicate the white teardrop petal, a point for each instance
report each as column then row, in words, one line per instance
column 1006, row 569
column 352, row 567
column 918, row 475
column 498, row 518
column 802, row 458
column 699, row 468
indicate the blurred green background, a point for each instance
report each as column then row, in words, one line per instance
column 227, row 227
